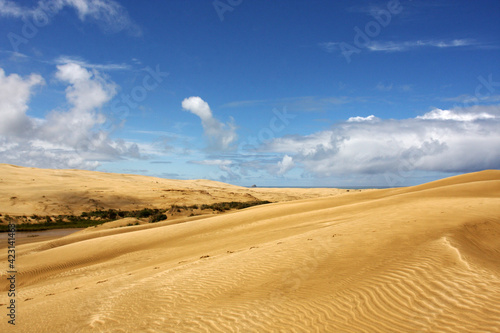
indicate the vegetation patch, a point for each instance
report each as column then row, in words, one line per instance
column 84, row 220
column 223, row 206
column 97, row 217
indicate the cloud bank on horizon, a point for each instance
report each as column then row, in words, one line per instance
column 460, row 140
column 81, row 87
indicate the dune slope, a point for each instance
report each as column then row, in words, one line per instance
column 418, row 259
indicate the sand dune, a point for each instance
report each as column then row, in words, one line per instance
column 27, row 191
column 417, row 259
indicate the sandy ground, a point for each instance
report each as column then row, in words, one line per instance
column 417, row 259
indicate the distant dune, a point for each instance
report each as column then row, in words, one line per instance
column 415, row 259
column 27, row 191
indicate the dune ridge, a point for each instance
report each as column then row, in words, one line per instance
column 416, row 259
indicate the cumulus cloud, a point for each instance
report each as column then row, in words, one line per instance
column 72, row 137
column 109, row 14
column 458, row 140
column 14, row 92
column 285, row 165
column 358, row 118
column 87, row 90
column 221, row 136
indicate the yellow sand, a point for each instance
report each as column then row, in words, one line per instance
column 417, row 259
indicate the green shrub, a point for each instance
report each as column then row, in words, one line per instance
column 157, row 217
column 146, row 212
column 223, row 206
column 94, row 218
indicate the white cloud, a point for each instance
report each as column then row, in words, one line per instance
column 14, row 93
column 197, row 106
column 438, row 114
column 285, row 165
column 87, row 92
column 82, row 63
column 459, row 140
column 88, row 89
column 359, row 119
column 9, row 8
column 379, row 46
column 403, row 46
column 63, row 138
column 220, row 135
column 109, row 14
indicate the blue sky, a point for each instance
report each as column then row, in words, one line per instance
column 276, row 93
